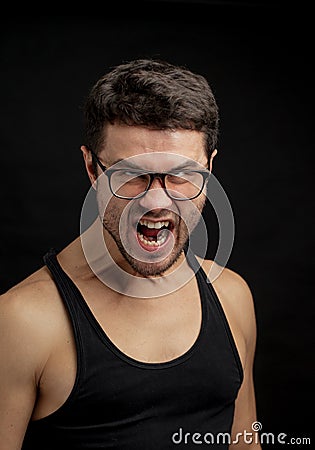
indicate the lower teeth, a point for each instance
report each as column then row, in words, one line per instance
column 156, row 243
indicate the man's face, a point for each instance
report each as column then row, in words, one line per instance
column 150, row 232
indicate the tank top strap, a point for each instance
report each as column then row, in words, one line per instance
column 207, row 290
column 67, row 289
column 69, row 293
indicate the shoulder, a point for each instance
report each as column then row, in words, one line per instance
column 228, row 282
column 36, row 289
column 236, row 298
column 28, row 313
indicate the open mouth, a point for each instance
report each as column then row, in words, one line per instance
column 153, row 235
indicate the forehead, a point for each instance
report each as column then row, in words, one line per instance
column 123, row 141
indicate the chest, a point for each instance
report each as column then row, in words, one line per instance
column 151, row 331
column 116, row 358
column 160, row 358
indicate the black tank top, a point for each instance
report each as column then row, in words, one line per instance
column 120, row 403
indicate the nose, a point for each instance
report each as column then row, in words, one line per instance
column 156, row 197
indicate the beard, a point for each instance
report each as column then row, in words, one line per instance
column 151, row 267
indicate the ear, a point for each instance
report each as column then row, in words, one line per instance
column 87, row 156
column 215, row 151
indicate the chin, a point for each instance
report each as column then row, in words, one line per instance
column 150, row 270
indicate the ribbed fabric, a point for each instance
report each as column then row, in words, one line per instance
column 120, row 403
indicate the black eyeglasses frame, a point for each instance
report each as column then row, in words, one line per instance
column 161, row 175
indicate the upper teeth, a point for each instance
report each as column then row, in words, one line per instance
column 157, row 225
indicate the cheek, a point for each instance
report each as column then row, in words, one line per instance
column 200, row 201
column 190, row 211
column 193, row 207
column 108, row 208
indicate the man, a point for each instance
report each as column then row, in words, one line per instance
column 119, row 341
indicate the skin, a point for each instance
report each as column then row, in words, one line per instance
column 142, row 141
column 182, row 215
column 36, row 339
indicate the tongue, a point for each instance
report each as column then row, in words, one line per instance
column 149, row 232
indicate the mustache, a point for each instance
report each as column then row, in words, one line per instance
column 162, row 214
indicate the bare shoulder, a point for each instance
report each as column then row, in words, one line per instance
column 28, row 310
column 235, row 296
column 36, row 288
column 230, row 283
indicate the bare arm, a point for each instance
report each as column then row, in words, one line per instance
column 21, row 354
column 243, row 434
column 237, row 302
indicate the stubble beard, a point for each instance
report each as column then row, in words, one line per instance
column 148, row 269
column 111, row 219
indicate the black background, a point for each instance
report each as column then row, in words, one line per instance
column 257, row 58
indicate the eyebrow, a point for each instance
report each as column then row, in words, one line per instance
column 185, row 165
column 192, row 165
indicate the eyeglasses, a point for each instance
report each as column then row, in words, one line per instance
column 133, row 183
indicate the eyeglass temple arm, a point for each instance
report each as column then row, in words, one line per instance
column 94, row 156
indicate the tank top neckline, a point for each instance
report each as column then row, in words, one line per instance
column 54, row 265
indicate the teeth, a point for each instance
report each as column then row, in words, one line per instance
column 157, row 225
column 153, row 243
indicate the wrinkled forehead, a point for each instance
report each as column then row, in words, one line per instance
column 158, row 162
column 122, row 141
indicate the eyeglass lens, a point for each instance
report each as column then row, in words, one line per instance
column 184, row 185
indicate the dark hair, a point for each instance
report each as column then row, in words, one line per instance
column 151, row 93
